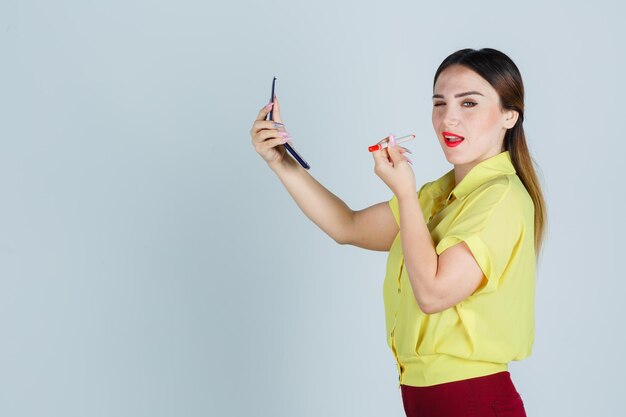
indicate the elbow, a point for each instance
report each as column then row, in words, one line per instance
column 429, row 308
column 428, row 295
column 434, row 306
column 428, row 305
column 344, row 235
column 339, row 237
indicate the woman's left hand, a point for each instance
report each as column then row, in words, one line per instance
column 394, row 168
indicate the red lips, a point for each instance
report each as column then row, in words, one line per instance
column 450, row 143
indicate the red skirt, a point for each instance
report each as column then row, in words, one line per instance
column 489, row 395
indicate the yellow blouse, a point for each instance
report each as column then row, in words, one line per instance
column 494, row 214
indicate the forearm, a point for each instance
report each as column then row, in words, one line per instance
column 420, row 258
column 324, row 208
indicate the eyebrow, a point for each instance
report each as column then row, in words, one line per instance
column 467, row 93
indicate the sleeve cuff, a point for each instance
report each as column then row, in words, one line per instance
column 481, row 254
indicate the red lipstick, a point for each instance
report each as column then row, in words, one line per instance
column 452, row 139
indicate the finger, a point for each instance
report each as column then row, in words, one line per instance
column 267, row 124
column 266, row 134
column 262, row 125
column 394, row 154
column 384, row 155
column 272, row 143
column 276, row 125
column 381, row 157
column 392, row 147
column 264, row 111
column 276, row 114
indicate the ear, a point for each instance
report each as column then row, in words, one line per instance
column 510, row 118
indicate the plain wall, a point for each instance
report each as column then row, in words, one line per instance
column 152, row 265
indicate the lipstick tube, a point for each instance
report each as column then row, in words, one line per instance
column 380, row 146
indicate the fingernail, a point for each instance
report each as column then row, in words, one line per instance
column 276, row 124
column 269, row 105
column 392, row 140
column 408, row 160
column 286, row 139
column 283, row 134
column 409, row 151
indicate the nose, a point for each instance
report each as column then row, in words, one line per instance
column 450, row 117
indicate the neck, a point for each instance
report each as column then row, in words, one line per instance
column 461, row 170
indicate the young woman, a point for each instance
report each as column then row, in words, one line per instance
column 460, row 280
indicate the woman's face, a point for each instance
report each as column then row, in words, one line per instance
column 465, row 104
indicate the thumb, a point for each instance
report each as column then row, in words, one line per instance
column 394, row 151
column 276, row 114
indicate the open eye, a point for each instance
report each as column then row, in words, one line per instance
column 469, row 102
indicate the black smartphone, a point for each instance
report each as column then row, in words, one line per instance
column 289, row 147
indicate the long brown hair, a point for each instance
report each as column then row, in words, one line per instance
column 504, row 76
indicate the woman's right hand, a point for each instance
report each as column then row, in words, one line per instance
column 268, row 135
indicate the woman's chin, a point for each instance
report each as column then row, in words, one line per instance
column 454, row 158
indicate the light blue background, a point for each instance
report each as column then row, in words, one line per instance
column 152, row 265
